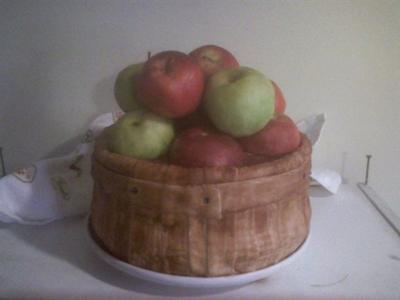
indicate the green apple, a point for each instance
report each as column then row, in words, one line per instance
column 140, row 134
column 239, row 101
column 125, row 87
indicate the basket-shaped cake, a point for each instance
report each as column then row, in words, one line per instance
column 205, row 222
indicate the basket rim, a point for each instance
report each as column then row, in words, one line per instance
column 156, row 171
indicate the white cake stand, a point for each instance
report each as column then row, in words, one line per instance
column 192, row 282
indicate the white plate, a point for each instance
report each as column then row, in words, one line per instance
column 192, row 282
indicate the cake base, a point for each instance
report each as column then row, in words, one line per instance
column 203, row 222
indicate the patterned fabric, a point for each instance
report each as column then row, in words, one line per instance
column 53, row 188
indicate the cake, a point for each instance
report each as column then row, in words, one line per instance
column 201, row 222
column 204, row 175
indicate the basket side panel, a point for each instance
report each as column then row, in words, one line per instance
column 243, row 241
column 102, row 216
column 121, row 228
column 197, row 246
column 263, row 222
column 221, row 246
column 159, row 247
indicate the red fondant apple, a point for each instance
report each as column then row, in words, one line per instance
column 171, row 84
column 280, row 103
column 212, row 58
column 199, row 147
column 280, row 136
column 196, row 119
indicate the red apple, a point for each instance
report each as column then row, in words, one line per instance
column 196, row 119
column 280, row 103
column 213, row 58
column 199, row 147
column 171, row 84
column 280, row 136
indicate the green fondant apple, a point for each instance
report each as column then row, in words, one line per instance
column 239, row 101
column 125, row 87
column 140, row 134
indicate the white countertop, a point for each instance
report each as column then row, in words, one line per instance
column 352, row 254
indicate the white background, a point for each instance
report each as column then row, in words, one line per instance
column 59, row 60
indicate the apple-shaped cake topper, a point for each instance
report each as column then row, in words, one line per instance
column 125, row 87
column 279, row 137
column 212, row 58
column 280, row 102
column 200, row 147
column 140, row 134
column 171, row 84
column 239, row 101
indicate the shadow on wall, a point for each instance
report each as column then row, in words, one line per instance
column 102, row 96
column 26, row 118
column 28, row 122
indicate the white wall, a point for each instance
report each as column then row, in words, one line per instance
column 59, row 59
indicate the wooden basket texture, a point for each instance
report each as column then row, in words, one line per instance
column 200, row 221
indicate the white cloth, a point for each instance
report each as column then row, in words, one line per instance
column 328, row 179
column 52, row 188
column 312, row 127
column 55, row 188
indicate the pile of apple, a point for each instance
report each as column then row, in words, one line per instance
column 200, row 109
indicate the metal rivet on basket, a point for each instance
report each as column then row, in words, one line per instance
column 134, row 190
column 206, row 200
